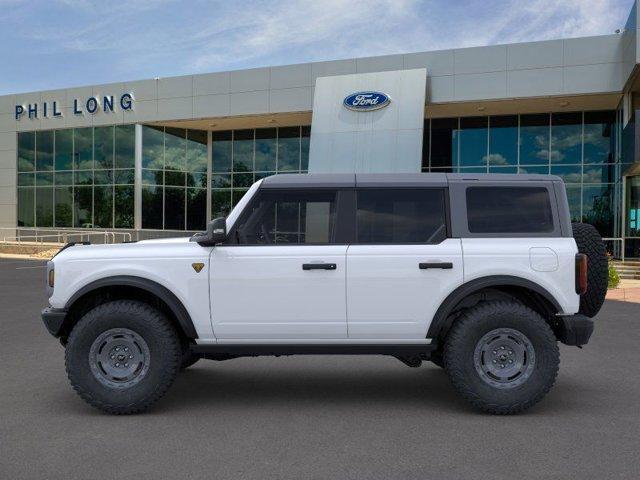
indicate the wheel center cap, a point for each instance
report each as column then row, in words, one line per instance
column 504, row 358
column 119, row 358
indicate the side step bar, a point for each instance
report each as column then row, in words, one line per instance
column 254, row 350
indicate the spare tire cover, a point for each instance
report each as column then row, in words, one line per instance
column 590, row 243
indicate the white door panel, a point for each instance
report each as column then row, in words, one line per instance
column 390, row 296
column 263, row 292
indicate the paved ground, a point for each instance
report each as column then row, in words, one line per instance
column 313, row 417
column 627, row 291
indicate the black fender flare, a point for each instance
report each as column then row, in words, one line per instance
column 160, row 291
column 439, row 321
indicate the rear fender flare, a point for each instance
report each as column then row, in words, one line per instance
column 440, row 321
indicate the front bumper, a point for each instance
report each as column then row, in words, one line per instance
column 574, row 330
column 53, row 319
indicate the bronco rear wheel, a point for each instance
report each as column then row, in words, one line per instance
column 501, row 356
column 122, row 356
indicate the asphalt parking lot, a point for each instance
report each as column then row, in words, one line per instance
column 313, row 417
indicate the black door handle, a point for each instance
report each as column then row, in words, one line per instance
column 442, row 265
column 319, row 266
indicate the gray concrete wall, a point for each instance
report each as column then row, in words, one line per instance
column 384, row 140
column 8, row 152
column 630, row 39
column 556, row 67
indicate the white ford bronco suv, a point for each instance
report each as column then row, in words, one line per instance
column 480, row 274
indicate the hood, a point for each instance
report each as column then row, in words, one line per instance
column 159, row 248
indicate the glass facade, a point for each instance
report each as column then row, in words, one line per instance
column 241, row 157
column 174, row 178
column 85, row 177
column 580, row 147
column 81, row 177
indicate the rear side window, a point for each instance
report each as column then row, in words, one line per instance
column 509, row 210
column 401, row 216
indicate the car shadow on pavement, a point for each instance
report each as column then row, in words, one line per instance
column 207, row 385
column 204, row 387
column 244, row 384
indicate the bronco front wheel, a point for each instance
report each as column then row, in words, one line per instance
column 122, row 356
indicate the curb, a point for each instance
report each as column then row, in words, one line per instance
column 624, row 294
column 17, row 256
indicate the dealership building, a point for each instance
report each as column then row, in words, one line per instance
column 156, row 157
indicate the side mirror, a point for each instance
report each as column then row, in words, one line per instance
column 216, row 233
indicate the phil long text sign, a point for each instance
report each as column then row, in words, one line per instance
column 91, row 105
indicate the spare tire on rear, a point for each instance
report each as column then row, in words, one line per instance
column 590, row 243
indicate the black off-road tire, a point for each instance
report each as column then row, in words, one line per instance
column 590, row 243
column 149, row 327
column 460, row 353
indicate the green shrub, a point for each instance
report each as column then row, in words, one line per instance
column 614, row 277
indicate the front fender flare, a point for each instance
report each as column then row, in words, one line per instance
column 160, row 291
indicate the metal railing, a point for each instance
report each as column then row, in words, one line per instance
column 621, row 253
column 62, row 236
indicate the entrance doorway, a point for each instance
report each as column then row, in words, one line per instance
column 632, row 216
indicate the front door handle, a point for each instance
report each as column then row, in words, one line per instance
column 442, row 265
column 319, row 266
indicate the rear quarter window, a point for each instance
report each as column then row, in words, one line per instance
column 509, row 210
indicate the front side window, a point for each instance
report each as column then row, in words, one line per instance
column 399, row 216
column 509, row 210
column 289, row 217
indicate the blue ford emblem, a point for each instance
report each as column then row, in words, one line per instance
column 366, row 101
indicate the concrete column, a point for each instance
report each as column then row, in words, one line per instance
column 209, row 169
column 137, row 210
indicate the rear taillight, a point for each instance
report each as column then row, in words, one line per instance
column 581, row 273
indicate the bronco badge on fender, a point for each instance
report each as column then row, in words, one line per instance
column 197, row 267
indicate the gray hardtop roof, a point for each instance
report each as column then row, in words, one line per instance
column 287, row 180
column 501, row 177
column 345, row 180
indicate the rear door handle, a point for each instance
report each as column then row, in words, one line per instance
column 319, row 266
column 442, row 265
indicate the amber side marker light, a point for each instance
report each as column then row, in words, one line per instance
column 581, row 273
column 52, row 278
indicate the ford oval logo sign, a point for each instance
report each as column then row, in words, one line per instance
column 366, row 101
